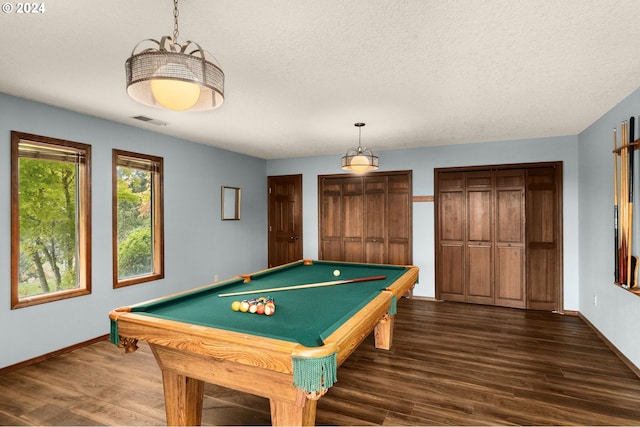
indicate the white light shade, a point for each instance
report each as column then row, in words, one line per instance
column 175, row 95
column 359, row 164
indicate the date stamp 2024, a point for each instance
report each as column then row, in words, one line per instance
column 24, row 8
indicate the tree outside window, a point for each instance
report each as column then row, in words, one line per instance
column 50, row 219
column 137, row 218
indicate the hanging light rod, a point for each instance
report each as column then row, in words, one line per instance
column 359, row 159
column 167, row 76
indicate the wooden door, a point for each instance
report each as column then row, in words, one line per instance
column 499, row 235
column 510, row 289
column 366, row 218
column 285, row 219
column 330, row 219
column 399, row 219
column 544, row 238
column 375, row 224
column 479, row 242
column 353, row 219
column 450, row 229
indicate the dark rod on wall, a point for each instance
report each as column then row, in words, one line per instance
column 616, row 236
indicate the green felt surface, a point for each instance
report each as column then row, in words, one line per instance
column 305, row 316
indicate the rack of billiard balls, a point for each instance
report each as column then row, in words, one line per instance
column 262, row 305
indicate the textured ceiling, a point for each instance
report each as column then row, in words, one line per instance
column 300, row 73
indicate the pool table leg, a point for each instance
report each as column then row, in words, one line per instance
column 383, row 332
column 183, row 399
column 299, row 413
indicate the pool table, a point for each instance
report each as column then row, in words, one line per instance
column 290, row 357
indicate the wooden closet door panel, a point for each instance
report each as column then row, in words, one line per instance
column 479, row 280
column 375, row 223
column 541, row 207
column 331, row 219
column 510, row 216
column 479, row 180
column 510, row 284
column 543, row 239
column 540, row 268
column 479, row 286
column 450, row 256
column 353, row 250
column 451, row 259
column 353, row 219
column 452, row 217
column 398, row 253
column 479, row 213
column 331, row 250
column 399, row 229
column 374, row 252
column 451, row 272
column 400, row 218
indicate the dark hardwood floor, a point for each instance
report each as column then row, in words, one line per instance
column 451, row 364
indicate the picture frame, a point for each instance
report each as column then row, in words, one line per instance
column 230, row 203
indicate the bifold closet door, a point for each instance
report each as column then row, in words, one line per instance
column 510, row 284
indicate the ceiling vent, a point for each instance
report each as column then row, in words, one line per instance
column 150, row 120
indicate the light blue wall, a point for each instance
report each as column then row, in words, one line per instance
column 422, row 162
column 617, row 313
column 198, row 245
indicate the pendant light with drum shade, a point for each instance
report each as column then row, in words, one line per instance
column 167, row 76
column 359, row 159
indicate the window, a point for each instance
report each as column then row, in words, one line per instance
column 50, row 219
column 138, row 227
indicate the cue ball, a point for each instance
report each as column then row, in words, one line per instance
column 336, row 273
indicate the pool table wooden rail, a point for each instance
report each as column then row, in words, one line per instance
column 190, row 355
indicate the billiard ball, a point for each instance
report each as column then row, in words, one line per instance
column 336, row 273
column 235, row 306
column 244, row 306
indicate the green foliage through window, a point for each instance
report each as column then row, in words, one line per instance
column 135, row 222
column 48, row 231
column 137, row 212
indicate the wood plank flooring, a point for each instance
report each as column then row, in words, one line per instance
column 451, row 364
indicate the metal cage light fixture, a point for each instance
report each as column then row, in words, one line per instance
column 167, row 76
column 359, row 159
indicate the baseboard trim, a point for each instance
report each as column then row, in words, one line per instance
column 44, row 357
column 419, row 298
column 570, row 313
column 613, row 348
